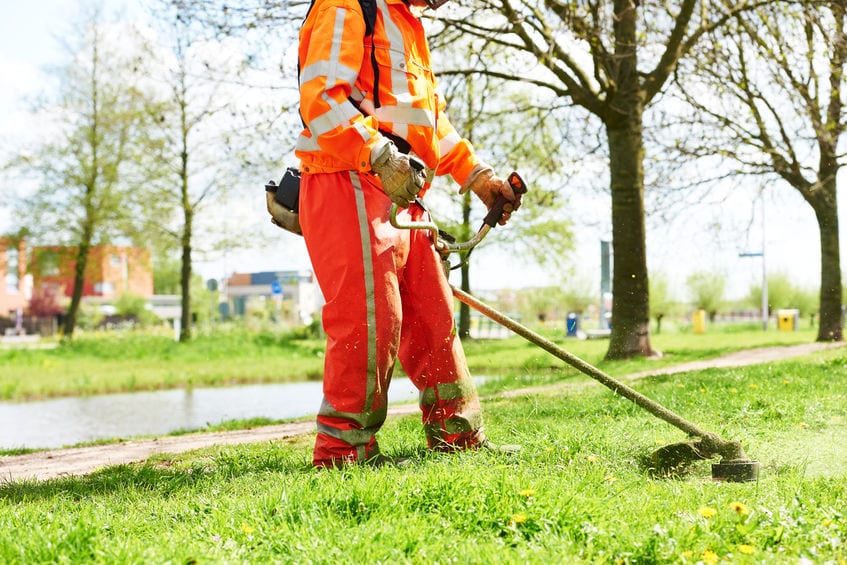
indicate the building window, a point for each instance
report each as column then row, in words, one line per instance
column 115, row 260
column 104, row 288
column 12, row 279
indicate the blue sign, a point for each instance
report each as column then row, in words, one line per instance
column 276, row 288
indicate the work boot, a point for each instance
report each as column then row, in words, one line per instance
column 376, row 461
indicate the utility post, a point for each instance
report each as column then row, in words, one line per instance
column 605, row 283
column 764, row 270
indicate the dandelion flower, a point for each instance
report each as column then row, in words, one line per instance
column 592, row 458
column 746, row 549
column 527, row 492
column 517, row 518
column 710, row 557
column 247, row 529
column 706, row 512
column 610, row 478
column 827, row 523
column 740, row 508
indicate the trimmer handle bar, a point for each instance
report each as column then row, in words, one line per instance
column 447, row 245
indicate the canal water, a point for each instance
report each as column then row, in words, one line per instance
column 68, row 421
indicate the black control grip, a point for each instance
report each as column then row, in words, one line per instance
column 496, row 211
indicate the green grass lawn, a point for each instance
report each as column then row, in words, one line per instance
column 578, row 492
column 125, row 362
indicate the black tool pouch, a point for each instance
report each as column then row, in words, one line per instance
column 284, row 201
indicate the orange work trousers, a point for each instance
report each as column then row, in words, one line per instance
column 387, row 298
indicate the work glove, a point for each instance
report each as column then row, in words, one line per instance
column 402, row 177
column 488, row 187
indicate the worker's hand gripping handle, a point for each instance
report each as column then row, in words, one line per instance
column 496, row 211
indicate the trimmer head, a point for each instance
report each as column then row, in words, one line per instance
column 673, row 460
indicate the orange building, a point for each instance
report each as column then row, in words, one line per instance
column 111, row 271
column 13, row 293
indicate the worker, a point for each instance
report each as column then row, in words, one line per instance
column 370, row 114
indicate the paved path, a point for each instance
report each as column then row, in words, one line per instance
column 55, row 463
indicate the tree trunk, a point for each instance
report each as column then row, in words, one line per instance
column 188, row 215
column 831, row 314
column 79, row 282
column 464, row 309
column 185, row 280
column 623, row 119
column 630, row 295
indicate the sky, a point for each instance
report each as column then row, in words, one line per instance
column 677, row 246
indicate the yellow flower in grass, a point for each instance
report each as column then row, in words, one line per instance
column 740, row 508
column 746, row 549
column 828, row 523
column 247, row 529
column 710, row 557
column 527, row 492
column 706, row 512
column 518, row 518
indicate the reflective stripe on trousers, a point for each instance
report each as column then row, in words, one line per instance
column 386, row 298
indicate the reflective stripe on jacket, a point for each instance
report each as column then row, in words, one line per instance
column 336, row 69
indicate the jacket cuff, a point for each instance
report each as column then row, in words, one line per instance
column 369, row 151
column 481, row 169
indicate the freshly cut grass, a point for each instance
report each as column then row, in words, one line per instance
column 577, row 492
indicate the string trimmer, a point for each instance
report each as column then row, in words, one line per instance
column 734, row 465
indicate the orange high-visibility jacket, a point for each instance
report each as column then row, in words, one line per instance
column 336, row 76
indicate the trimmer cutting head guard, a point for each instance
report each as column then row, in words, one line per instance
column 674, row 459
column 736, row 471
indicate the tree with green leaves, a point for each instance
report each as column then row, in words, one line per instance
column 87, row 166
column 662, row 302
column 707, row 290
column 206, row 135
column 783, row 293
column 775, row 79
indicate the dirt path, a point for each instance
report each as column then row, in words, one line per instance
column 57, row 463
